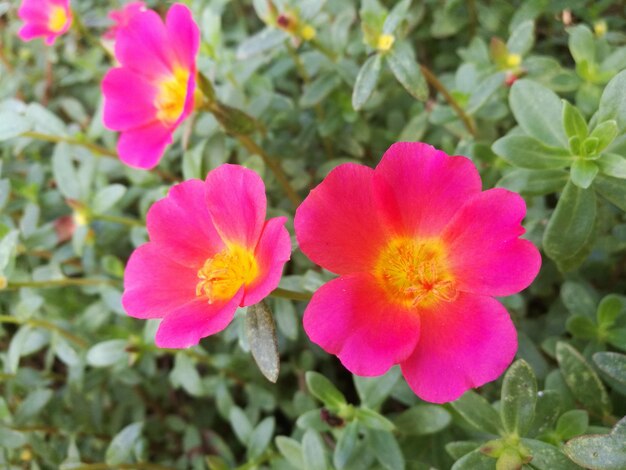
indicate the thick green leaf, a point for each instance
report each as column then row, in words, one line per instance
column 395, row 16
column 261, row 334
column 475, row 460
column 485, row 90
column 291, row 450
column 374, row 390
column 525, row 152
column 11, row 439
column 582, row 327
column 121, row 447
column 572, row 423
column 538, row 111
column 458, row 449
column 610, row 308
column 401, row 60
column 583, row 173
column 422, row 420
column 600, row 452
column 240, row 423
column 373, row 420
column 366, row 81
column 346, row 445
column 316, row 91
column 386, row 449
column 613, row 102
column 573, row 121
column 64, row 172
column 519, row 398
column 612, row 364
column 534, row 182
column 605, row 132
column 612, row 165
column 547, row 409
column 547, row 457
column 522, row 38
column 478, row 412
column 572, row 222
column 107, row 353
column 107, row 197
column 579, row 299
column 582, row 380
column 582, row 44
column 260, row 437
column 313, row 451
column 12, row 124
column 264, row 40
column 323, row 389
column 34, row 403
column 611, row 189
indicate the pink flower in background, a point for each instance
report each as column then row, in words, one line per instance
column 122, row 17
column 152, row 92
column 420, row 251
column 210, row 251
column 47, row 19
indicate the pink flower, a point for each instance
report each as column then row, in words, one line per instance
column 44, row 18
column 122, row 17
column 420, row 251
column 210, row 251
column 149, row 96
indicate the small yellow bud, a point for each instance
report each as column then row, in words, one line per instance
column 513, row 60
column 3, row 282
column 385, row 41
column 26, row 455
column 81, row 217
column 600, row 28
column 308, row 32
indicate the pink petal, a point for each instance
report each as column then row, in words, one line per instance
column 122, row 16
column 337, row 225
column 181, row 225
column 236, row 200
column 154, row 284
column 120, row 87
column 189, row 324
column 419, row 188
column 143, row 46
column 32, row 31
column 485, row 253
column 350, row 317
column 184, row 35
column 272, row 252
column 463, row 345
column 144, row 146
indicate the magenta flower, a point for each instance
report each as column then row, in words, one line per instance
column 48, row 19
column 152, row 92
column 122, row 17
column 420, row 251
column 210, row 251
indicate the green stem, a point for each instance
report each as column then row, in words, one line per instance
column 70, row 281
column 290, row 294
column 56, row 139
column 117, row 220
column 38, row 323
column 122, row 466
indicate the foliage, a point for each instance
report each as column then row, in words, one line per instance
column 533, row 92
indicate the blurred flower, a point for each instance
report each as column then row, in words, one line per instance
column 44, row 18
column 122, row 17
column 385, row 41
column 152, row 92
column 420, row 251
column 210, row 251
column 64, row 227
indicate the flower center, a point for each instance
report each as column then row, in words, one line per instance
column 223, row 275
column 415, row 272
column 57, row 20
column 170, row 100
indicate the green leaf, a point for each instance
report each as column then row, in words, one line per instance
column 611, row 189
column 374, row 390
column 261, row 334
column 323, row 389
column 313, row 451
column 613, row 102
column 525, row 152
column 316, row 91
column 478, row 412
column 538, row 111
column 612, row 165
column 373, row 420
column 291, row 450
column 534, row 182
column 475, row 460
column 422, row 420
column 582, row 44
column 234, row 120
column 458, row 449
column 578, row 298
column 366, row 81
column 107, row 353
column 64, row 172
column 107, row 197
column 605, row 132
column 600, row 452
column 612, row 364
column 346, row 445
column 395, row 16
column 609, row 309
column 34, row 403
column 401, row 60
column 582, row 327
column 185, row 375
column 240, row 423
column 522, row 38
column 121, row 447
column 582, row 380
column 573, row 121
column 547, row 457
column 549, row 403
column 264, row 40
column 519, row 398
column 583, row 173
column 11, row 439
column 386, row 449
column 571, row 224
column 572, row 423
column 260, row 438
column 485, row 90
column 12, row 124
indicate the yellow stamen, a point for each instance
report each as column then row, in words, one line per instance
column 600, row 28
column 416, row 272
column 308, row 32
column 170, row 100
column 58, row 18
column 223, row 275
column 513, row 60
column 385, row 41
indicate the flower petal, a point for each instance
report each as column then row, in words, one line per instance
column 120, row 86
column 337, row 225
column 419, row 188
column 272, row 252
column 180, row 223
column 463, row 345
column 154, row 284
column 350, row 317
column 236, row 200
column 184, row 35
column 485, row 253
column 189, row 324
column 143, row 147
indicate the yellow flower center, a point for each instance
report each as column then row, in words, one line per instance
column 513, row 60
column 415, row 272
column 223, row 275
column 385, row 41
column 170, row 100
column 308, row 32
column 58, row 18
